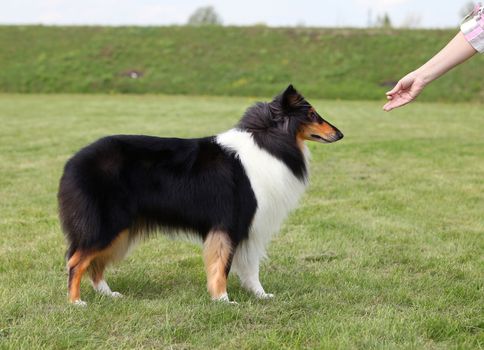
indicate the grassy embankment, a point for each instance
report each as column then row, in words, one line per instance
column 350, row 64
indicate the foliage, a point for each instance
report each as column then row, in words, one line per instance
column 412, row 20
column 384, row 21
column 384, row 252
column 204, row 16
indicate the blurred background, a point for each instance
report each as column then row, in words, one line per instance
column 352, row 13
column 336, row 50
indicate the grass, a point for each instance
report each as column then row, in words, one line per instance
column 385, row 250
column 240, row 61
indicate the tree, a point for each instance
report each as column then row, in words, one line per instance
column 383, row 21
column 204, row 16
column 412, row 20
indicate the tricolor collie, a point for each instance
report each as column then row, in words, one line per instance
column 232, row 191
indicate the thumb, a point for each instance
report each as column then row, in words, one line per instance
column 395, row 89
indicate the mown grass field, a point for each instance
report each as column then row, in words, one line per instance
column 385, row 250
column 351, row 64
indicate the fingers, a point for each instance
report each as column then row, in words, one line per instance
column 396, row 102
column 389, row 106
column 395, row 89
column 391, row 96
column 392, row 105
column 397, row 97
column 404, row 92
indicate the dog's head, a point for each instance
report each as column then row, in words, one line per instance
column 294, row 114
column 289, row 113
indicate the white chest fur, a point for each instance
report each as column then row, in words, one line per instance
column 276, row 188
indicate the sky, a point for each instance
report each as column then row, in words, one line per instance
column 342, row 13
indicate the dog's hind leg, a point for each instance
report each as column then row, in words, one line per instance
column 114, row 252
column 217, row 256
column 95, row 262
column 77, row 265
column 96, row 272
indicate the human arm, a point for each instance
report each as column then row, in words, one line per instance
column 409, row 87
column 463, row 46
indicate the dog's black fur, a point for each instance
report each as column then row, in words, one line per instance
column 143, row 182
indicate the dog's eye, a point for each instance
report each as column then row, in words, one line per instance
column 315, row 118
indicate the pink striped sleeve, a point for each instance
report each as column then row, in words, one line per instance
column 473, row 28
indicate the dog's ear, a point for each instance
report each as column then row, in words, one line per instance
column 290, row 98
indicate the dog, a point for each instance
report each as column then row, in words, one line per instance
column 231, row 191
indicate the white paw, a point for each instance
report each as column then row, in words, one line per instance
column 229, row 302
column 79, row 303
column 264, row 295
column 224, row 298
column 116, row 295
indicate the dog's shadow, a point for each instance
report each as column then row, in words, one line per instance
column 150, row 285
column 185, row 277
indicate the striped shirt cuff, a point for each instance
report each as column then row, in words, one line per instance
column 473, row 28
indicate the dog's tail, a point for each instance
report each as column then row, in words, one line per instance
column 79, row 215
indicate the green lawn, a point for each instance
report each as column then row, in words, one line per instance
column 385, row 250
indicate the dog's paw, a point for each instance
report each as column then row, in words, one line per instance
column 224, row 298
column 116, row 295
column 79, row 303
column 264, row 296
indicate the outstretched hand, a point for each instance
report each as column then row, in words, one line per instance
column 406, row 90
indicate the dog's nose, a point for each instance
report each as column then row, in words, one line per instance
column 338, row 135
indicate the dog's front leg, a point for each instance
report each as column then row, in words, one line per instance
column 247, row 268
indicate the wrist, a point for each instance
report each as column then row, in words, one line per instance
column 423, row 76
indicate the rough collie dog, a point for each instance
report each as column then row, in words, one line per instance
column 232, row 191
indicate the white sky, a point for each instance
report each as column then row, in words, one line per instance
column 349, row 13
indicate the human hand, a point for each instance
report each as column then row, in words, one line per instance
column 406, row 90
